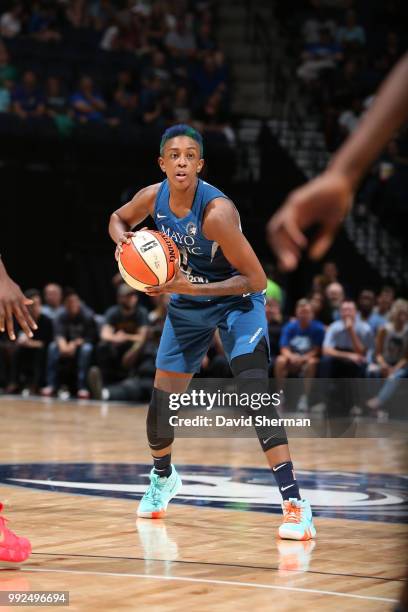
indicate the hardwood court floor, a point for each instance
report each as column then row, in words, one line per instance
column 200, row 557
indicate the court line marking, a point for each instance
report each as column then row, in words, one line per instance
column 254, row 585
column 217, row 564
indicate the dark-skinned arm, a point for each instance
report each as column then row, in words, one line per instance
column 124, row 219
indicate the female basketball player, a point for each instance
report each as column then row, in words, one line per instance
column 13, row 302
column 220, row 285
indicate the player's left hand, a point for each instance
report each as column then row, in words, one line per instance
column 178, row 284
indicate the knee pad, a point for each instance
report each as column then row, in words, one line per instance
column 160, row 433
column 251, row 372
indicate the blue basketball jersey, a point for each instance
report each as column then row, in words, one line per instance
column 202, row 260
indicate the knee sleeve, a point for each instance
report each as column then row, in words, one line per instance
column 257, row 360
column 160, row 433
column 251, row 372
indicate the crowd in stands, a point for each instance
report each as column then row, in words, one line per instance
column 112, row 356
column 348, row 48
column 117, row 63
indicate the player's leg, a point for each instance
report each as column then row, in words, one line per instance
column 249, row 363
column 185, row 340
column 165, row 482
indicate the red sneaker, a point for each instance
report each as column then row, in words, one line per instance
column 12, row 548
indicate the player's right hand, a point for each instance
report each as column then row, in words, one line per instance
column 123, row 239
column 324, row 201
column 14, row 302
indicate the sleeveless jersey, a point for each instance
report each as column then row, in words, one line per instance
column 201, row 260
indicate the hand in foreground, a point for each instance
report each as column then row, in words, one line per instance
column 14, row 302
column 324, row 201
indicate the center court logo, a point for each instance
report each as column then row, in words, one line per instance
column 369, row 497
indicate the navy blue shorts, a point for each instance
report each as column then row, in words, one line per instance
column 190, row 325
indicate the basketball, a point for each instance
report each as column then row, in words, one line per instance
column 149, row 260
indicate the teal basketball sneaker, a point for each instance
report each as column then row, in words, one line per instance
column 297, row 520
column 161, row 490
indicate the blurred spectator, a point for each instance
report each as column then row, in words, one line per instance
column 28, row 99
column 393, row 49
column 42, row 23
column 126, row 99
column 11, row 21
column 320, row 307
column 205, row 40
column 75, row 337
column 181, row 105
column 158, row 313
column 5, row 99
column 180, row 41
column 52, row 306
column 330, row 272
column 76, row 13
column 138, row 382
column 158, row 68
column 56, row 101
column 8, row 72
column 214, row 117
column 319, row 283
column 87, row 104
column 57, row 108
column 300, row 346
column 365, row 305
column 123, row 335
column 347, row 345
column 391, row 354
column 275, row 322
column 209, row 77
column 335, row 296
column 132, row 35
column 8, row 75
column 159, row 23
column 381, row 311
column 349, row 118
column 316, row 19
column 151, row 98
column 351, row 35
column 323, row 55
column 347, row 83
column 28, row 360
column 101, row 13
